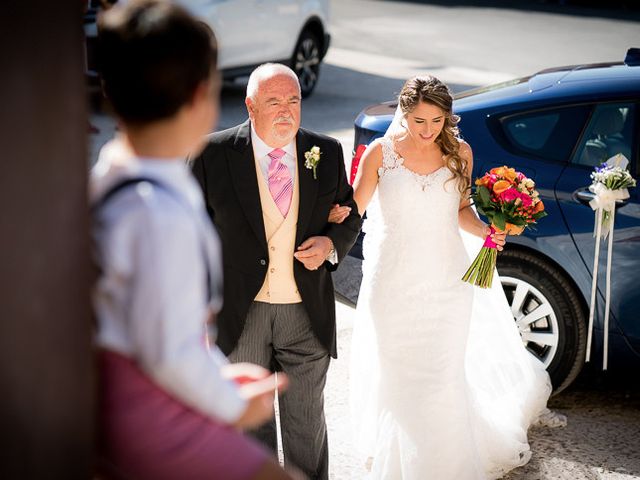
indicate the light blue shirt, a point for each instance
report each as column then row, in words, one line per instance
column 151, row 300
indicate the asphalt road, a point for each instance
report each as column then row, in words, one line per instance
column 377, row 45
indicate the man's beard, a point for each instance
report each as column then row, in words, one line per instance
column 277, row 129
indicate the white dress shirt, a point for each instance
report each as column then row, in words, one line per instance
column 154, row 245
column 261, row 151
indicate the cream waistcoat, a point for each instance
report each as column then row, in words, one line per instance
column 279, row 285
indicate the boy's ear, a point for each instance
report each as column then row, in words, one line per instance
column 202, row 92
column 208, row 90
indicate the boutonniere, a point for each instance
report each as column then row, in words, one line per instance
column 312, row 158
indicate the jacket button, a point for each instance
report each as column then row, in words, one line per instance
column 263, row 261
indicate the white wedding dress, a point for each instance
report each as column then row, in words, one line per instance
column 441, row 385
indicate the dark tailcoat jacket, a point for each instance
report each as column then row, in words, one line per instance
column 227, row 173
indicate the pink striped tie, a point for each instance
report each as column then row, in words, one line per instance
column 280, row 182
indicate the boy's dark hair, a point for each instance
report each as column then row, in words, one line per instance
column 152, row 55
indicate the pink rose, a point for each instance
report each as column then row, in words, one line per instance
column 511, row 195
column 526, row 199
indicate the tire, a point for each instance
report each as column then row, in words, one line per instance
column 534, row 285
column 306, row 61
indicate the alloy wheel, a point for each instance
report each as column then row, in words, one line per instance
column 306, row 65
column 535, row 318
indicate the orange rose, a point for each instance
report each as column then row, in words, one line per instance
column 510, row 229
column 500, row 186
column 538, row 207
column 499, row 171
column 484, row 181
column 510, row 174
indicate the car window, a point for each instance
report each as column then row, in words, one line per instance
column 550, row 134
column 609, row 131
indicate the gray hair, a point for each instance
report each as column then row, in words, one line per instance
column 265, row 72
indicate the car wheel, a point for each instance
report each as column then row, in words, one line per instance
column 306, row 62
column 548, row 313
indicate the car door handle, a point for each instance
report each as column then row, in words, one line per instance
column 585, row 196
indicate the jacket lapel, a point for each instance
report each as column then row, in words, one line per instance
column 243, row 175
column 308, row 186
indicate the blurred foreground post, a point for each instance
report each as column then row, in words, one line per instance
column 46, row 384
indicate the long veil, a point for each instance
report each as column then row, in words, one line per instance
column 395, row 128
column 509, row 386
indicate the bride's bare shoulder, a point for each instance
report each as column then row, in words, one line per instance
column 373, row 153
column 376, row 145
column 465, row 150
column 370, row 161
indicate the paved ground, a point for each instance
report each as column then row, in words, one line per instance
column 601, row 440
column 376, row 46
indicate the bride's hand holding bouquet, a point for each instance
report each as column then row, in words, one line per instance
column 511, row 203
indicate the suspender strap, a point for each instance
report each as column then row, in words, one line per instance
column 120, row 186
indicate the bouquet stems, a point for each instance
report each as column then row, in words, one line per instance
column 480, row 273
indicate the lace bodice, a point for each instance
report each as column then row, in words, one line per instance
column 413, row 202
column 413, row 212
column 392, row 161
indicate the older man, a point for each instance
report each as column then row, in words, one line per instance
column 269, row 186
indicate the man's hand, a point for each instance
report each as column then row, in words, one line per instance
column 337, row 214
column 313, row 252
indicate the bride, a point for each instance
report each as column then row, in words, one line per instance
column 441, row 385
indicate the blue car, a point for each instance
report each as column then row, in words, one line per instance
column 555, row 126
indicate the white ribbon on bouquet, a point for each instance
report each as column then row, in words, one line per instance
column 604, row 205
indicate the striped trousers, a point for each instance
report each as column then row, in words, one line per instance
column 280, row 335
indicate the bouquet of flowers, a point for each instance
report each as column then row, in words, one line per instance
column 511, row 203
column 610, row 183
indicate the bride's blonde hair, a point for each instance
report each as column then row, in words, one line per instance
column 429, row 89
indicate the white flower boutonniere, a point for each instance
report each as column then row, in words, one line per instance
column 312, row 158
